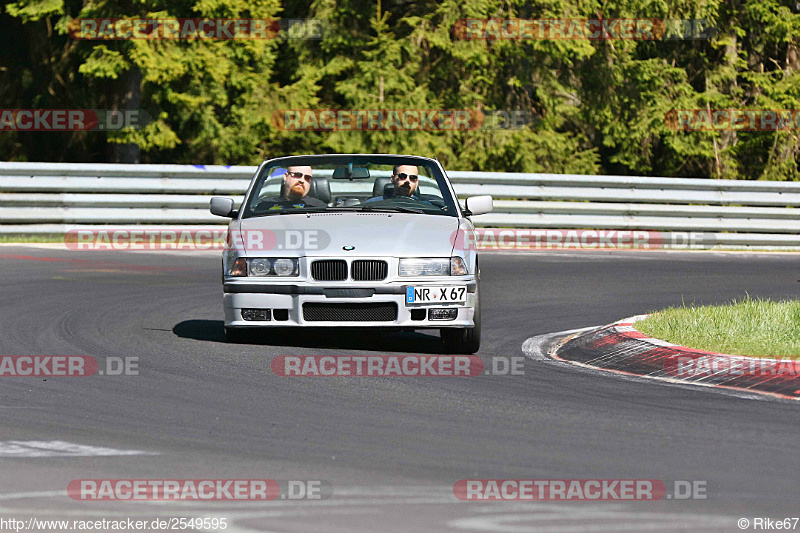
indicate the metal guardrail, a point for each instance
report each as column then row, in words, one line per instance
column 57, row 197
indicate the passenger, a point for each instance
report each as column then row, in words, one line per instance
column 294, row 191
column 296, row 186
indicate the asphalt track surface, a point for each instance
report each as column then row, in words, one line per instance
column 391, row 448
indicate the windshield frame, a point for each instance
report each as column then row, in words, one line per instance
column 438, row 174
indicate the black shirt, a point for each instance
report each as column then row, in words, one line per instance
column 269, row 203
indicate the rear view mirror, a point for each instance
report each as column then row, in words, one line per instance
column 350, row 173
column 223, row 207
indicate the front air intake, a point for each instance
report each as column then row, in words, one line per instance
column 346, row 312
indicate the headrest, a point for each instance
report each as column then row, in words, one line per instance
column 320, row 189
column 380, row 185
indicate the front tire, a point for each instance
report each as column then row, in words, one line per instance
column 464, row 340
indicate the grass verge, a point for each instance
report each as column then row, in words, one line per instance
column 31, row 237
column 750, row 326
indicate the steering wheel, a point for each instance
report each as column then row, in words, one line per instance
column 407, row 201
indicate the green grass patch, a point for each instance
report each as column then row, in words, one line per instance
column 750, row 326
column 31, row 237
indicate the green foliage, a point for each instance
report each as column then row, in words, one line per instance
column 33, row 10
column 104, row 63
column 599, row 106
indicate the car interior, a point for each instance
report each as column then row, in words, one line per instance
column 348, row 186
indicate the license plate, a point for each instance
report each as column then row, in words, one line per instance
column 428, row 295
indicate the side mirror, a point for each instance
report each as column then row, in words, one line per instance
column 223, row 207
column 478, row 205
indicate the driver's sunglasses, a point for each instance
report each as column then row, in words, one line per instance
column 411, row 177
column 299, row 175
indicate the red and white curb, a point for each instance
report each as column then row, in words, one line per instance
column 622, row 349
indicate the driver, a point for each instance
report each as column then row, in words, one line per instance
column 405, row 179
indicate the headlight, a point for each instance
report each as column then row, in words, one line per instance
column 425, row 267
column 284, row 267
column 260, row 267
column 273, row 267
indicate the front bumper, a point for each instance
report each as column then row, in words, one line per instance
column 289, row 299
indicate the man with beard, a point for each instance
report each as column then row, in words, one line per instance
column 405, row 180
column 296, row 185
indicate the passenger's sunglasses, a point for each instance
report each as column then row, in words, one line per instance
column 411, row 177
column 299, row 175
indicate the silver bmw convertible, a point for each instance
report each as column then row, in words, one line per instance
column 353, row 240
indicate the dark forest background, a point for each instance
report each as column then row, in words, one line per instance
column 599, row 105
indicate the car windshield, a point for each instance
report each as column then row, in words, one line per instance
column 404, row 184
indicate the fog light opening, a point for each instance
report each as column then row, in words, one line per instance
column 442, row 314
column 259, row 315
column 280, row 314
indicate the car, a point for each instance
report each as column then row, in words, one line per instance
column 378, row 241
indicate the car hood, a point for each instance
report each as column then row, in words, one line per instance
column 370, row 234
